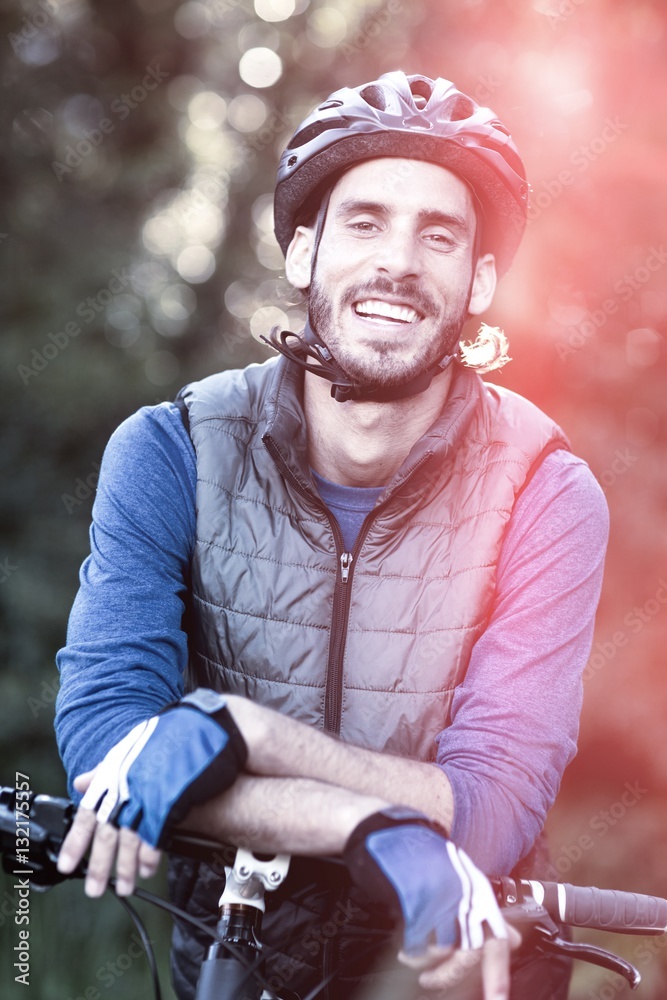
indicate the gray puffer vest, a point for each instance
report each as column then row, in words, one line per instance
column 368, row 644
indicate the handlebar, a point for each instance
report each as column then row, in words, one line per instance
column 533, row 906
column 603, row 909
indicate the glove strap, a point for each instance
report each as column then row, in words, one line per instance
column 384, row 819
column 363, row 870
column 214, row 704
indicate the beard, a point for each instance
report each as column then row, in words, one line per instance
column 380, row 364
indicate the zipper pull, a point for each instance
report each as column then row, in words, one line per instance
column 345, row 563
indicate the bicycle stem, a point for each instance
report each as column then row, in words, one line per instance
column 228, row 971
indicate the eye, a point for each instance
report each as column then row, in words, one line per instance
column 440, row 240
column 362, row 225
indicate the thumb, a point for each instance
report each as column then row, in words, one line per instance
column 82, row 781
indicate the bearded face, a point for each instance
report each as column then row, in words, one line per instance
column 391, row 287
column 384, row 333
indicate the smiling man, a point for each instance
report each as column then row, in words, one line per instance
column 389, row 567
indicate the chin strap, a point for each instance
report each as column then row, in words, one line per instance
column 343, row 387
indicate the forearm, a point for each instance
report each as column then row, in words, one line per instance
column 282, row 747
column 294, row 816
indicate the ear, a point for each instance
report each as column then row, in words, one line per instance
column 483, row 285
column 298, row 257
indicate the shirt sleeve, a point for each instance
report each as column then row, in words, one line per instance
column 515, row 717
column 126, row 651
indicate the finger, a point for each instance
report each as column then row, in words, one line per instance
column 447, row 974
column 426, row 960
column 514, row 937
column 101, row 859
column 77, row 840
column 149, row 860
column 127, row 861
column 496, row 969
column 82, row 780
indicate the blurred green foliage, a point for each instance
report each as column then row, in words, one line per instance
column 141, row 145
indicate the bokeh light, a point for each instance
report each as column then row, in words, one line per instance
column 192, row 20
column 247, row 112
column 260, row 67
column 195, row 264
column 275, row 10
column 207, row 110
column 265, row 318
column 327, row 27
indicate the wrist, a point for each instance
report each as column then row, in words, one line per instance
column 257, row 727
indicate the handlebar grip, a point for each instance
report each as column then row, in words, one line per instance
column 605, row 909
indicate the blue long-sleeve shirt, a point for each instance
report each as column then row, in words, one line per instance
column 515, row 716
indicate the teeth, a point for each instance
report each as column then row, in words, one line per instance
column 375, row 307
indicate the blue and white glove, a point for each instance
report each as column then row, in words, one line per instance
column 185, row 755
column 399, row 860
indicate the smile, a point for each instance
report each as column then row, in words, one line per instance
column 380, row 309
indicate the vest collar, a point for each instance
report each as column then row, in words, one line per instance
column 424, row 467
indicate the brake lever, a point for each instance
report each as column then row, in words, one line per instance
column 539, row 930
column 596, row 956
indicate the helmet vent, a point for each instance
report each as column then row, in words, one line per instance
column 421, row 91
column 312, row 131
column 500, row 127
column 458, row 108
column 374, row 96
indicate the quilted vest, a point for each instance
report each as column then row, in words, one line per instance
column 369, row 644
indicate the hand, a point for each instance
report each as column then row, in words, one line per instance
column 450, row 916
column 447, row 967
column 132, row 855
column 148, row 782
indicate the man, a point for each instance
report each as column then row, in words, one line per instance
column 382, row 548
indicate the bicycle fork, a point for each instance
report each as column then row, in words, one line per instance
column 229, row 970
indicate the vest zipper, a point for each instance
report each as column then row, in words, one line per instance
column 333, row 691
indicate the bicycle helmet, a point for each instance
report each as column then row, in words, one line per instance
column 406, row 116
column 416, row 118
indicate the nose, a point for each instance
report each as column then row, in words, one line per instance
column 396, row 255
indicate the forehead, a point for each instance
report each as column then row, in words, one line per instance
column 404, row 185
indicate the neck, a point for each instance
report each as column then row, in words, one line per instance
column 365, row 443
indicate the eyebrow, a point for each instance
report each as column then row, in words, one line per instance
column 425, row 215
